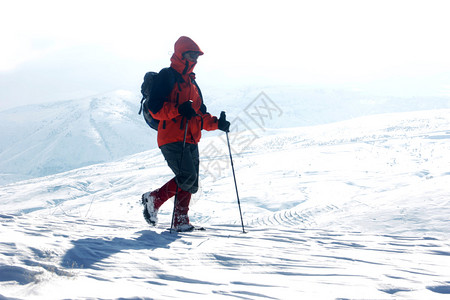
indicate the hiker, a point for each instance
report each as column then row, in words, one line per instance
column 182, row 106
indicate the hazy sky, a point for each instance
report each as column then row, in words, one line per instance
column 58, row 50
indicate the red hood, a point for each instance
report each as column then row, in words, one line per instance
column 181, row 65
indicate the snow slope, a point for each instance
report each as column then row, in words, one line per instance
column 355, row 209
column 40, row 140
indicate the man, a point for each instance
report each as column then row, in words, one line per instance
column 182, row 116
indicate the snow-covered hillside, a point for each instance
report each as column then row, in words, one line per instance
column 294, row 106
column 355, row 209
column 39, row 140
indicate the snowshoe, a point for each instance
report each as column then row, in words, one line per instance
column 189, row 228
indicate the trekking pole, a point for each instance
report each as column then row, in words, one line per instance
column 234, row 176
column 179, row 170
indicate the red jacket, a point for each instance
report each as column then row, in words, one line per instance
column 171, row 129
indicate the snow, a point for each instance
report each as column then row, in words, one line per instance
column 40, row 140
column 353, row 209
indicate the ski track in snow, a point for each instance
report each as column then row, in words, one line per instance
column 356, row 209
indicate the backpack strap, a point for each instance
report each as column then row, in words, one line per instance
column 202, row 107
column 142, row 100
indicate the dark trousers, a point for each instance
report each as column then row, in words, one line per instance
column 185, row 170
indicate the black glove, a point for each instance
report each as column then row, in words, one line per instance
column 186, row 110
column 224, row 125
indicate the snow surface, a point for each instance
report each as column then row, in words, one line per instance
column 356, row 209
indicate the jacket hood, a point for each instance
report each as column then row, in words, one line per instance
column 182, row 45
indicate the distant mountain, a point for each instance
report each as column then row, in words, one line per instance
column 40, row 140
column 290, row 106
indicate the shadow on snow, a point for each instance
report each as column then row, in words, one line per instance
column 87, row 252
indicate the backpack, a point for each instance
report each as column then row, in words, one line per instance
column 147, row 103
column 146, row 89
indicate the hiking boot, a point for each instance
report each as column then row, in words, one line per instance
column 150, row 211
column 185, row 228
column 182, row 224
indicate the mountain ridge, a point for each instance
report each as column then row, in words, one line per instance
column 45, row 139
column 52, row 138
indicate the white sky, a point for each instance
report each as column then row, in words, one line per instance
column 57, row 50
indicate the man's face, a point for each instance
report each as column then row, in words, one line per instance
column 191, row 56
